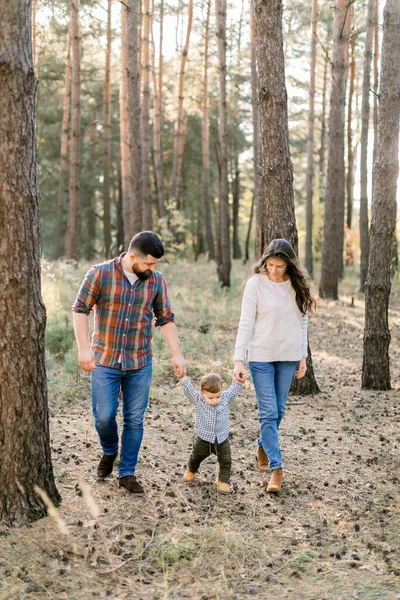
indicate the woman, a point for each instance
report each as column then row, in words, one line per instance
column 273, row 333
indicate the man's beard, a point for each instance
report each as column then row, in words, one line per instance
column 142, row 275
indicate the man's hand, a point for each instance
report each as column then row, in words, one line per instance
column 301, row 369
column 179, row 366
column 86, row 360
column 239, row 374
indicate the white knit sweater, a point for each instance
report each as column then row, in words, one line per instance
column 271, row 326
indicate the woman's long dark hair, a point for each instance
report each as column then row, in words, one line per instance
column 298, row 276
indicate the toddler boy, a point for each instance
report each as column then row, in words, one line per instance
column 211, row 409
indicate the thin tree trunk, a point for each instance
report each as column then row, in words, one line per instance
column 376, row 366
column 364, row 234
column 175, row 175
column 276, row 181
column 206, row 146
column 158, row 117
column 223, row 257
column 71, row 247
column 61, row 201
column 25, row 439
column 126, row 179
column 146, row 183
column 90, row 215
column 181, row 149
column 133, row 96
column 334, row 204
column 247, row 244
column 310, row 143
column 255, row 206
column 107, row 143
column 350, row 150
column 237, row 252
column 322, row 150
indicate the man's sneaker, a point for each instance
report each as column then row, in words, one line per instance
column 106, row 464
column 189, row 476
column 130, row 483
column 223, row 487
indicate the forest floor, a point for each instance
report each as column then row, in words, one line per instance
column 332, row 533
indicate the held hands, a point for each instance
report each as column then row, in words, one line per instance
column 239, row 374
column 179, row 366
column 86, row 360
column 301, row 369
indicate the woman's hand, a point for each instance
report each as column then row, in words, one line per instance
column 301, row 369
column 239, row 374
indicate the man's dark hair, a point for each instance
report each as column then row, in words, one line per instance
column 146, row 242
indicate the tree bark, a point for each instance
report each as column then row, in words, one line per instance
column 223, row 256
column 350, row 150
column 90, row 202
column 146, row 182
column 376, row 83
column 376, row 367
column 126, row 179
column 205, row 139
column 322, row 149
column 276, row 181
column 61, row 201
column 310, row 143
column 34, row 9
column 158, row 117
column 179, row 133
column 255, row 207
column 24, row 432
column 334, row 204
column 364, row 234
column 237, row 252
column 71, row 247
column 107, row 143
column 134, row 129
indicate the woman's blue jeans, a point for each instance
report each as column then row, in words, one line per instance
column 106, row 383
column 272, row 382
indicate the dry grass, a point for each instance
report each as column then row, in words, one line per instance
column 333, row 533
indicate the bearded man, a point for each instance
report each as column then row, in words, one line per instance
column 126, row 293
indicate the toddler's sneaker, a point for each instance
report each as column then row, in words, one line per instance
column 189, row 476
column 223, row 487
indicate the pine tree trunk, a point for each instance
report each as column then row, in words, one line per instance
column 126, row 179
column 206, row 146
column 107, row 143
column 134, row 129
column 350, row 150
column 334, row 203
column 61, row 201
column 146, row 183
column 310, row 143
column 237, row 252
column 322, row 149
column 255, row 206
column 181, row 149
column 376, row 367
column 276, row 181
column 90, row 201
column 158, row 117
column 364, row 234
column 25, row 440
column 71, row 247
column 223, row 258
column 376, row 83
column 175, row 175
column 34, row 8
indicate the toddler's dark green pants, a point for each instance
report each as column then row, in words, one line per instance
column 202, row 449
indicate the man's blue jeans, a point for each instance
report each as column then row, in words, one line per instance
column 272, row 382
column 105, row 385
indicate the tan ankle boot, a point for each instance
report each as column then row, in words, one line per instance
column 275, row 483
column 189, row 476
column 223, row 487
column 262, row 459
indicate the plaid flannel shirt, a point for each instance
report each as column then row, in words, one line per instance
column 211, row 422
column 124, row 313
